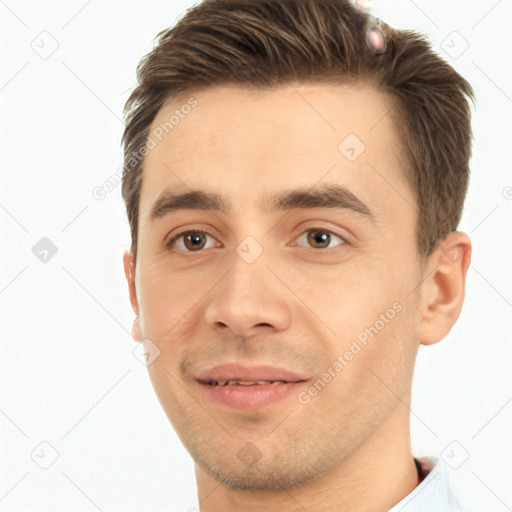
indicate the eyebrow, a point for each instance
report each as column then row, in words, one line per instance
column 321, row 196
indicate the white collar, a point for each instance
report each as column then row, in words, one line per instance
column 433, row 493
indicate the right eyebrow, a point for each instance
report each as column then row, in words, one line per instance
column 193, row 200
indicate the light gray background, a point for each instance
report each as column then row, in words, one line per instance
column 70, row 383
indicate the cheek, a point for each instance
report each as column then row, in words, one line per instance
column 374, row 372
column 350, row 298
column 169, row 390
column 375, row 330
column 164, row 304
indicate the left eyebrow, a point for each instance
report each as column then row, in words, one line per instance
column 323, row 196
column 327, row 195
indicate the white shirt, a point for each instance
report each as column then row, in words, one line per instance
column 433, row 494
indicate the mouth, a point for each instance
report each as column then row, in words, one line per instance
column 248, row 395
column 240, row 374
column 241, row 387
column 236, row 382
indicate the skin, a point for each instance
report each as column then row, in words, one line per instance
column 297, row 305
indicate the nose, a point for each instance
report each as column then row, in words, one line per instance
column 248, row 300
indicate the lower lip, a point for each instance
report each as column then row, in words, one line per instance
column 250, row 397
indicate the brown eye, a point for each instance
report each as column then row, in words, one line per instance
column 320, row 238
column 194, row 241
column 189, row 241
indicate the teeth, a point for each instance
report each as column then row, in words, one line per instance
column 234, row 382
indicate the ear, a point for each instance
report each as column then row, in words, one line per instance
column 129, row 272
column 444, row 288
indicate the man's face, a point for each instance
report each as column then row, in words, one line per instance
column 294, row 285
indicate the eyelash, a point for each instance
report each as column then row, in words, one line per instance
column 172, row 241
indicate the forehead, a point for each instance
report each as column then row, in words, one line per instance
column 246, row 143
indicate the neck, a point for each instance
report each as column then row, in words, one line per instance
column 374, row 477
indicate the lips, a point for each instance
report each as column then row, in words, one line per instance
column 239, row 387
column 233, row 374
column 236, row 382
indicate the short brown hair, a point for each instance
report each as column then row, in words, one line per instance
column 262, row 44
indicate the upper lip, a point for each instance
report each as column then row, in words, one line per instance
column 236, row 371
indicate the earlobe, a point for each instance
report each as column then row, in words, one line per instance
column 136, row 334
column 444, row 288
column 129, row 272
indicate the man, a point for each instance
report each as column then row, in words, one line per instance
column 295, row 172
